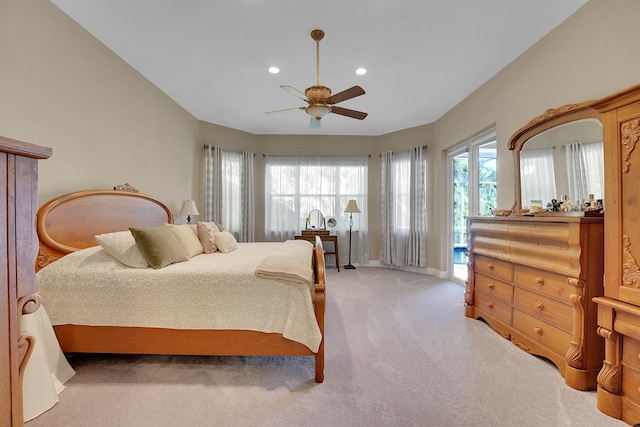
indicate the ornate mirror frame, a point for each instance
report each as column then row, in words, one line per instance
column 551, row 118
column 567, row 113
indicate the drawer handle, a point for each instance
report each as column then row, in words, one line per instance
column 539, row 306
column 490, row 305
column 538, row 330
column 539, row 281
column 490, row 266
column 491, row 286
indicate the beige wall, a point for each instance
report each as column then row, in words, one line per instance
column 108, row 125
column 588, row 56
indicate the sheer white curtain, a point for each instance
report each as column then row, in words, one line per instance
column 537, row 178
column 294, row 185
column 229, row 191
column 404, row 207
column 586, row 170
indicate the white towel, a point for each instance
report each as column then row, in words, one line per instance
column 293, row 264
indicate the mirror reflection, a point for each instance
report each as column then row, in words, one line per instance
column 315, row 220
column 566, row 160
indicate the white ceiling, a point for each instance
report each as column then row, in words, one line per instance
column 423, row 56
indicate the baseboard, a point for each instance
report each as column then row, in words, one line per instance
column 422, row 270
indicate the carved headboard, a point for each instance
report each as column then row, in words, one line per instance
column 70, row 222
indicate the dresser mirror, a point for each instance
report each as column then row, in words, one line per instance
column 559, row 153
column 315, row 220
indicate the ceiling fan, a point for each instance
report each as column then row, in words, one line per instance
column 319, row 97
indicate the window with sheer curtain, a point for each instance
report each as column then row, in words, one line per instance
column 404, row 206
column 537, row 178
column 586, row 170
column 294, row 185
column 229, row 191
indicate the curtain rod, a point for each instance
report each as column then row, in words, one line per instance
column 423, row 146
column 232, row 151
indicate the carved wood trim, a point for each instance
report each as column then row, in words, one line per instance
column 520, row 345
column 630, row 131
column 26, row 305
column 126, row 187
column 631, row 276
column 575, row 354
column 44, row 258
column 552, row 112
column 609, row 377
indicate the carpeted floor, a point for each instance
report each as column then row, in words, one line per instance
column 399, row 352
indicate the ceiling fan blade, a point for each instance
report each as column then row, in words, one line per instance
column 348, row 113
column 352, row 92
column 285, row 111
column 295, row 92
column 314, row 123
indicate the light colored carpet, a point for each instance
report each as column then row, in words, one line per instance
column 399, row 352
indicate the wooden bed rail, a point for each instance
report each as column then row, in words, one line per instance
column 319, row 300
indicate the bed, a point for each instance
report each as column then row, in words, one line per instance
column 66, row 228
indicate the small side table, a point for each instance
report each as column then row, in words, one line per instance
column 325, row 238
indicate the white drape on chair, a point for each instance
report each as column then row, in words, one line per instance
column 294, row 185
column 537, row 178
column 404, row 206
column 586, row 170
column 230, row 191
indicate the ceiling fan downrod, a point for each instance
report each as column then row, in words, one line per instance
column 317, row 35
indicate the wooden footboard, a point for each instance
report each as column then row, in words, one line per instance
column 136, row 340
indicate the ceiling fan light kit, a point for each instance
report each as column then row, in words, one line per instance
column 319, row 97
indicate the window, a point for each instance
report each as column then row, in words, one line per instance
column 537, row 177
column 295, row 185
column 229, row 193
column 404, row 205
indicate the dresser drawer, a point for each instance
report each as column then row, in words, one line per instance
column 631, row 353
column 499, row 269
column 493, row 307
column 543, row 282
column 494, row 287
column 631, row 383
column 542, row 332
column 547, row 309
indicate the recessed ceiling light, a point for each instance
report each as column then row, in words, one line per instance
column 361, row 71
column 274, row 70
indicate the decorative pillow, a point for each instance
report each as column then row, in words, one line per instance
column 187, row 239
column 122, row 246
column 206, row 234
column 226, row 242
column 158, row 246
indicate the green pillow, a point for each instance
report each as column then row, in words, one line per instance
column 158, row 245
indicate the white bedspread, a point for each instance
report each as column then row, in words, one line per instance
column 210, row 291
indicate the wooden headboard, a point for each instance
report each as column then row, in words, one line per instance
column 70, row 222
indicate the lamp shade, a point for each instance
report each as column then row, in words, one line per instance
column 189, row 208
column 352, row 207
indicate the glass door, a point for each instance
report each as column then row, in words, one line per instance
column 472, row 191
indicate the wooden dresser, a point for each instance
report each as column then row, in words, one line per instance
column 18, row 207
column 533, row 279
column 619, row 309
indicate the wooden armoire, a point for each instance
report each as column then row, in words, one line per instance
column 18, row 207
column 619, row 308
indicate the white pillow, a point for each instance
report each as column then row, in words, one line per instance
column 226, row 242
column 122, row 246
column 187, row 239
column 206, row 234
